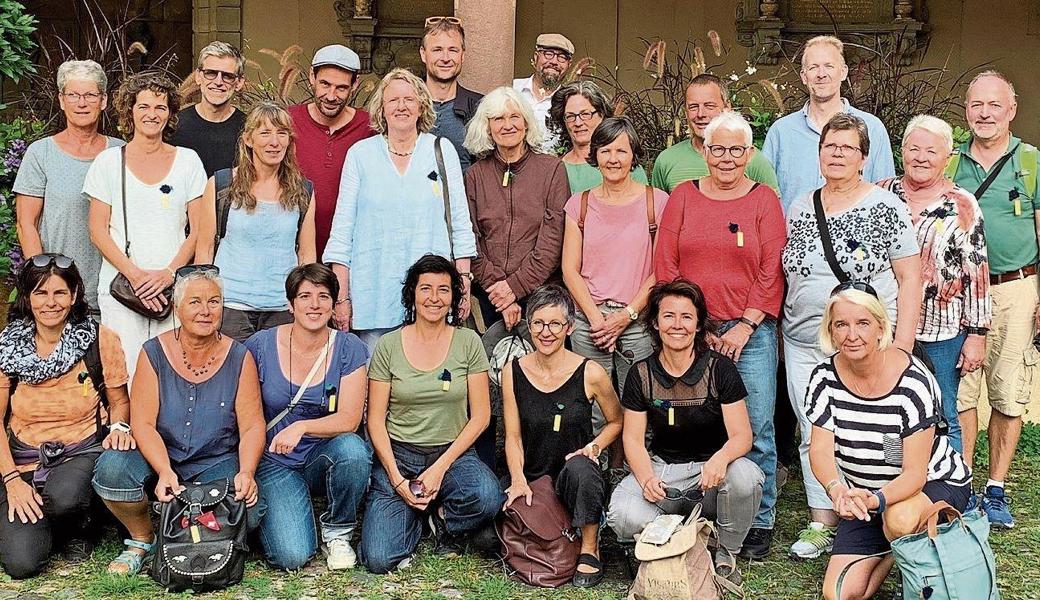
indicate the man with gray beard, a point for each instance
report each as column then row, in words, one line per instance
column 552, row 57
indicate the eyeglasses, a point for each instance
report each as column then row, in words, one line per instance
column 720, row 151
column 48, row 258
column 855, row 284
column 537, row 326
column 550, row 54
column 584, row 115
column 431, row 21
column 832, row 149
column 187, row 270
column 226, row 77
column 690, row 494
column 89, row 97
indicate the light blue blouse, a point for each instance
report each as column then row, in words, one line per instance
column 385, row 221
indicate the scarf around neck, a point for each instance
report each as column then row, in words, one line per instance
column 18, row 357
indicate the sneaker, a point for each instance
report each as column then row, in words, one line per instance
column 756, row 544
column 339, row 555
column 444, row 543
column 813, row 541
column 996, row 504
column 973, row 503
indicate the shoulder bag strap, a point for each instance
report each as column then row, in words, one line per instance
column 993, row 173
column 825, row 239
column 221, row 191
column 122, row 196
column 584, row 210
column 444, row 193
column 651, row 215
column 307, row 185
column 318, row 362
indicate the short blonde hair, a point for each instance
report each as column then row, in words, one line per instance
column 867, row 301
column 932, row 125
column 732, row 121
column 427, row 116
column 478, row 133
column 829, row 40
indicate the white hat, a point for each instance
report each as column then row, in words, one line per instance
column 337, row 55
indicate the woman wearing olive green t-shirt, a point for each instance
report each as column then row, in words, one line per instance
column 427, row 403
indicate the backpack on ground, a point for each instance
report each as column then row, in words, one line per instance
column 683, row 566
column 222, row 187
column 540, row 546
column 201, row 543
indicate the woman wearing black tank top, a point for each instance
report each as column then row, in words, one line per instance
column 550, row 432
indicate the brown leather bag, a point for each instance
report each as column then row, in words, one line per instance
column 539, row 544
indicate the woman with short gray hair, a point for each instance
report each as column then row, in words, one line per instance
column 549, row 433
column 193, row 419
column 50, row 207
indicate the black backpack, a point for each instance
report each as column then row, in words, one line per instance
column 222, row 187
column 201, row 542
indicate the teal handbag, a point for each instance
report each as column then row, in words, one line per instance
column 952, row 561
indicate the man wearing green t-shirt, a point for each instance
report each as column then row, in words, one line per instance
column 1009, row 208
column 706, row 97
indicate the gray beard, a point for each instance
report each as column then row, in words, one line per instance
column 551, row 81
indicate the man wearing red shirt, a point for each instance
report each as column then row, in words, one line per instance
column 326, row 129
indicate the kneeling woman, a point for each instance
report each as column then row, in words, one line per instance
column 49, row 348
column 313, row 383
column 550, row 432
column 427, row 403
column 878, row 439
column 694, row 403
column 195, row 414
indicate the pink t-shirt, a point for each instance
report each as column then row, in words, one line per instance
column 617, row 255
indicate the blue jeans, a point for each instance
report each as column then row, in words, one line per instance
column 122, row 476
column 757, row 368
column 390, row 533
column 338, row 468
column 944, row 357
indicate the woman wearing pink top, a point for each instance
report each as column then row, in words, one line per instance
column 608, row 253
column 725, row 233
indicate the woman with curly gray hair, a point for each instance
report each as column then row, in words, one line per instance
column 141, row 198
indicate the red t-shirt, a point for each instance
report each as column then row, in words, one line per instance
column 321, row 156
column 698, row 240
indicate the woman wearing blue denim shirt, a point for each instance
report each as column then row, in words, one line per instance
column 313, row 382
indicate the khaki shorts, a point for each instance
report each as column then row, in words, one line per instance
column 1012, row 363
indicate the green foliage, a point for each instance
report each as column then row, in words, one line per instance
column 16, row 43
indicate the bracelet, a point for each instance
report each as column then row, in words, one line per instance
column 11, row 476
column 749, row 323
column 881, row 501
column 120, row 426
column 830, row 486
column 341, row 301
column 976, row 330
column 9, row 473
column 399, row 483
column 171, row 272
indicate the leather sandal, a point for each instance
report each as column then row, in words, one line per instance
column 133, row 561
column 586, row 580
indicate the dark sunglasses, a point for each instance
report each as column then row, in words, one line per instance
column 691, row 494
column 855, row 284
column 48, row 258
column 226, row 77
column 189, row 269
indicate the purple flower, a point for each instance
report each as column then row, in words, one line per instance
column 18, row 146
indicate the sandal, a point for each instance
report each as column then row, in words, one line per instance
column 726, row 566
column 133, row 561
column 586, row 580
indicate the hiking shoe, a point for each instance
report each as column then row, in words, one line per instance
column 756, row 544
column 77, row 550
column 813, row 541
column 973, row 503
column 995, row 502
column 444, row 543
column 339, row 555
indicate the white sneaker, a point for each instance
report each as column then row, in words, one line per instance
column 813, row 541
column 339, row 555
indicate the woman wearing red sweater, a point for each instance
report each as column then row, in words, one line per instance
column 725, row 232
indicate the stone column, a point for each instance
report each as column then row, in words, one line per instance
column 215, row 20
column 490, row 31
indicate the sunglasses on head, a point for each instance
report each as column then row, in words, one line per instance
column 51, row 258
column 855, row 284
column 431, row 21
column 189, row 269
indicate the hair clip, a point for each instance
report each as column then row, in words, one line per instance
column 165, row 188
column 733, row 228
column 432, row 176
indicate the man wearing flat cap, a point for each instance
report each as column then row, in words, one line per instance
column 552, row 57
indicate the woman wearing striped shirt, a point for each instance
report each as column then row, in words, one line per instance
column 878, row 438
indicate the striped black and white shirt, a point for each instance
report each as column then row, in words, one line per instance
column 869, row 432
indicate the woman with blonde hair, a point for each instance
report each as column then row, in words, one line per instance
column 400, row 197
column 258, row 223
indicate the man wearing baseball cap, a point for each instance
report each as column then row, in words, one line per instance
column 552, row 57
column 326, row 128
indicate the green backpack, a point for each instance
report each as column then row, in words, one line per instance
column 1028, row 160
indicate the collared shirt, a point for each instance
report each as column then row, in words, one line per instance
column 541, row 110
column 793, row 147
column 1010, row 238
column 682, row 162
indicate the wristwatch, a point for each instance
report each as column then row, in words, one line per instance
column 120, row 426
column 976, row 330
column 632, row 314
column 595, row 448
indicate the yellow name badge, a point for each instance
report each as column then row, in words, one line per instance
column 196, row 537
column 332, row 403
column 860, row 254
column 1018, row 207
column 445, row 386
column 164, row 200
column 940, row 226
column 556, row 422
column 671, row 416
column 740, row 239
column 436, row 189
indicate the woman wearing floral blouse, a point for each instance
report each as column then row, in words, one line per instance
column 956, row 310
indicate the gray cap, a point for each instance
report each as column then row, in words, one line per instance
column 337, row 55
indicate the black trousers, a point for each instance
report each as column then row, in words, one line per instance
column 25, row 548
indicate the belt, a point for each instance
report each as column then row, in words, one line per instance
column 1013, row 275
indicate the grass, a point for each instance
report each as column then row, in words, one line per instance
column 472, row 578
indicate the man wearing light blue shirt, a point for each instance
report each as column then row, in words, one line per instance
column 792, row 144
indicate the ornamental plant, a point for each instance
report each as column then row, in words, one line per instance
column 16, row 43
column 15, row 137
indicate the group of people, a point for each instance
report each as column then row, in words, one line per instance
column 378, row 240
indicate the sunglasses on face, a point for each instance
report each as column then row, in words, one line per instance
column 48, row 258
column 226, row 77
column 855, row 284
column 189, row 269
column 431, row 21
